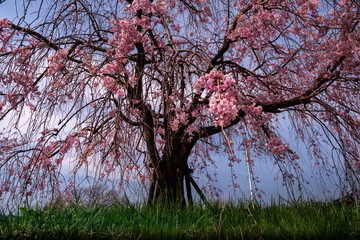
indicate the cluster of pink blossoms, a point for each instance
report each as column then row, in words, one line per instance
column 181, row 118
column 275, row 146
column 224, row 107
column 126, row 35
column 4, row 35
column 147, row 6
column 68, row 143
column 225, row 99
column 109, row 82
column 4, row 23
column 126, row 32
column 214, row 81
column 252, row 109
column 56, row 62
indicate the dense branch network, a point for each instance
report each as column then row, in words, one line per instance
column 142, row 88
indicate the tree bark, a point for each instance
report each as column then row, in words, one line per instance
column 171, row 179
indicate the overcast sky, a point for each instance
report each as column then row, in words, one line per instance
column 7, row 9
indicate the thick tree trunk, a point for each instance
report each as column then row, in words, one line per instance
column 171, row 191
column 171, row 180
column 171, row 173
column 168, row 183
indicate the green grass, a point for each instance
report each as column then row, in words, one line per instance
column 308, row 220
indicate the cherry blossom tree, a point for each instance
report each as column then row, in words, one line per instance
column 148, row 88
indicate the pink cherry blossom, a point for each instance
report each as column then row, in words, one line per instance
column 142, row 89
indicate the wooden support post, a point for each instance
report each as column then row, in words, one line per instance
column 198, row 190
column 188, row 188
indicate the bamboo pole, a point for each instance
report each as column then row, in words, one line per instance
column 248, row 162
